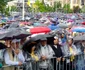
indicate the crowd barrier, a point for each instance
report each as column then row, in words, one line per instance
column 66, row 63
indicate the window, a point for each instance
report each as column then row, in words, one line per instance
column 74, row 1
column 82, row 2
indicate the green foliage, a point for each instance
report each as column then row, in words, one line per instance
column 3, row 9
column 76, row 9
column 41, row 7
column 83, row 9
column 13, row 8
column 67, row 9
column 57, row 6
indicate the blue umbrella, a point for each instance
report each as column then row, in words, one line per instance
column 78, row 30
column 36, row 24
column 53, row 27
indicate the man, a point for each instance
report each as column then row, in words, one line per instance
column 58, row 53
column 69, row 50
column 46, row 53
column 13, row 56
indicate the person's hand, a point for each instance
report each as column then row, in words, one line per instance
column 84, row 51
column 20, row 63
column 43, row 57
column 17, row 51
column 58, row 59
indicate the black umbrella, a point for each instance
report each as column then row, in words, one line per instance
column 36, row 39
column 2, row 46
column 13, row 33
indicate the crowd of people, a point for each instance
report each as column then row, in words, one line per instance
column 47, row 55
column 59, row 52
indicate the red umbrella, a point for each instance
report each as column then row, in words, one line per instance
column 83, row 23
column 36, row 30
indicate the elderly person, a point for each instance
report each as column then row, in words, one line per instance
column 13, row 55
column 46, row 53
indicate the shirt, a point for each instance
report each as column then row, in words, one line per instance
column 47, row 51
column 9, row 62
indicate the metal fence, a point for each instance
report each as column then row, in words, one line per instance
column 68, row 63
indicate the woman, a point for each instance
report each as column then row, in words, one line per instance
column 13, row 55
column 30, row 54
column 57, row 50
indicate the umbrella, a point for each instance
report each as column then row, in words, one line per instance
column 36, row 24
column 19, row 33
column 53, row 27
column 73, row 17
column 34, row 40
column 79, row 38
column 78, row 30
column 83, row 23
column 61, row 25
column 2, row 46
column 13, row 33
column 70, row 20
column 36, row 30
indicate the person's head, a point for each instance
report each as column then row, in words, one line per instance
column 70, row 41
column 32, row 47
column 15, row 44
column 8, row 43
column 56, row 40
column 43, row 41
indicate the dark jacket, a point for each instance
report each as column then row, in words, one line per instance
column 57, row 51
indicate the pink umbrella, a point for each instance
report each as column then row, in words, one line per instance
column 70, row 20
column 25, row 23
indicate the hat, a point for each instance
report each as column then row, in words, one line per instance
column 56, row 37
column 43, row 39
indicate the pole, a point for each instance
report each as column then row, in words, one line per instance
column 23, row 11
column 66, row 6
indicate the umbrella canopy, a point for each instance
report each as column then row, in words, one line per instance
column 34, row 40
column 79, row 38
column 83, row 23
column 53, row 27
column 70, row 20
column 61, row 25
column 78, row 30
column 13, row 33
column 36, row 24
column 36, row 30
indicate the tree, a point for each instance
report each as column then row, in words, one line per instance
column 57, row 5
column 67, row 9
column 83, row 9
column 42, row 7
column 76, row 9
column 13, row 8
column 3, row 4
